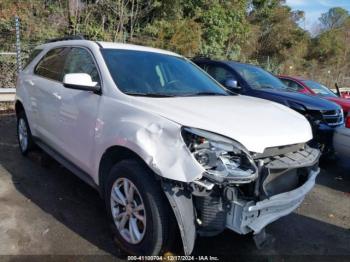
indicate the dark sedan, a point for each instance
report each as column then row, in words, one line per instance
column 250, row 80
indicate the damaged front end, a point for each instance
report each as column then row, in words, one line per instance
column 239, row 190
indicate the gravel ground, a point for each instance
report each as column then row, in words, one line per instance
column 45, row 210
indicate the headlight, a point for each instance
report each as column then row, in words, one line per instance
column 224, row 160
column 342, row 115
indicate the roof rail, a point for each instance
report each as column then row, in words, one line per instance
column 201, row 57
column 69, row 37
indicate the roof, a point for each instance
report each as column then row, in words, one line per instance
column 299, row 78
column 226, row 62
column 109, row 45
column 239, row 63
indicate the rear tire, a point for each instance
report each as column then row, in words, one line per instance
column 24, row 135
column 138, row 209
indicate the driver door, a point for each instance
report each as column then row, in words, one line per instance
column 221, row 74
column 78, row 110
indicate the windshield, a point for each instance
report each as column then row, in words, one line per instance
column 258, row 78
column 319, row 89
column 158, row 75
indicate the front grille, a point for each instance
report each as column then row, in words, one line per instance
column 279, row 150
column 287, row 172
column 333, row 117
column 304, row 157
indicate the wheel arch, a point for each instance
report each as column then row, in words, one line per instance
column 19, row 107
column 180, row 206
column 112, row 156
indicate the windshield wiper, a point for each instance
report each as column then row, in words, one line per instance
column 174, row 95
column 267, row 87
column 205, row 94
column 148, row 94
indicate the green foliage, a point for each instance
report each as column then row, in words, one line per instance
column 181, row 36
column 264, row 32
column 332, row 50
column 218, row 27
column 225, row 28
column 281, row 41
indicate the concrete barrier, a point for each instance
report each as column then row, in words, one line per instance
column 7, row 94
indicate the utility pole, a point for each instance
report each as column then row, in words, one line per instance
column 18, row 46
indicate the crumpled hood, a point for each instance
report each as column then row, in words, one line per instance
column 255, row 123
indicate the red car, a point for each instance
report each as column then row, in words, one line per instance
column 345, row 94
column 311, row 87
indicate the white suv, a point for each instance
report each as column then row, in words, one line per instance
column 167, row 147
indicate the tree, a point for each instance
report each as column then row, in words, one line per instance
column 214, row 28
column 281, row 43
column 331, row 50
column 334, row 18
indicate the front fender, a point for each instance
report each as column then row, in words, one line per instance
column 182, row 204
column 154, row 139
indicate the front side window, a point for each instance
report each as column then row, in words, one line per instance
column 219, row 73
column 79, row 60
column 319, row 89
column 258, row 78
column 51, row 65
column 154, row 74
column 292, row 84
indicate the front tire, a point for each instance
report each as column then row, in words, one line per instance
column 137, row 208
column 24, row 134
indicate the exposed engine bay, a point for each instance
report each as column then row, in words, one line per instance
column 279, row 180
column 237, row 205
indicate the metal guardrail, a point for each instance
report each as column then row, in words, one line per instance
column 7, row 53
column 7, row 94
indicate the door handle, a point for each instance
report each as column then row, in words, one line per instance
column 57, row 96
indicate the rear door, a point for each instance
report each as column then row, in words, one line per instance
column 48, row 83
column 29, row 92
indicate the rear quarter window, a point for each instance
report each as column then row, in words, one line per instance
column 32, row 55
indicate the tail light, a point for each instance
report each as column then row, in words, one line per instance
column 347, row 122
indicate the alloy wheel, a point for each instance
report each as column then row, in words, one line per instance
column 23, row 134
column 128, row 211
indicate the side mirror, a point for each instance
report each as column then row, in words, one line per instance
column 232, row 84
column 80, row 81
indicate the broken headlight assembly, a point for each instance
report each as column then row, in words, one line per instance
column 223, row 159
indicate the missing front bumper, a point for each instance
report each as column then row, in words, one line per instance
column 244, row 217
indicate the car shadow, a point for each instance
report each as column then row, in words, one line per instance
column 64, row 196
column 295, row 236
column 335, row 175
column 55, row 190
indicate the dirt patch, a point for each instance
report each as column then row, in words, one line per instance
column 7, row 108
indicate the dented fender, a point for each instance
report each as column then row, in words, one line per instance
column 153, row 138
column 182, row 204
